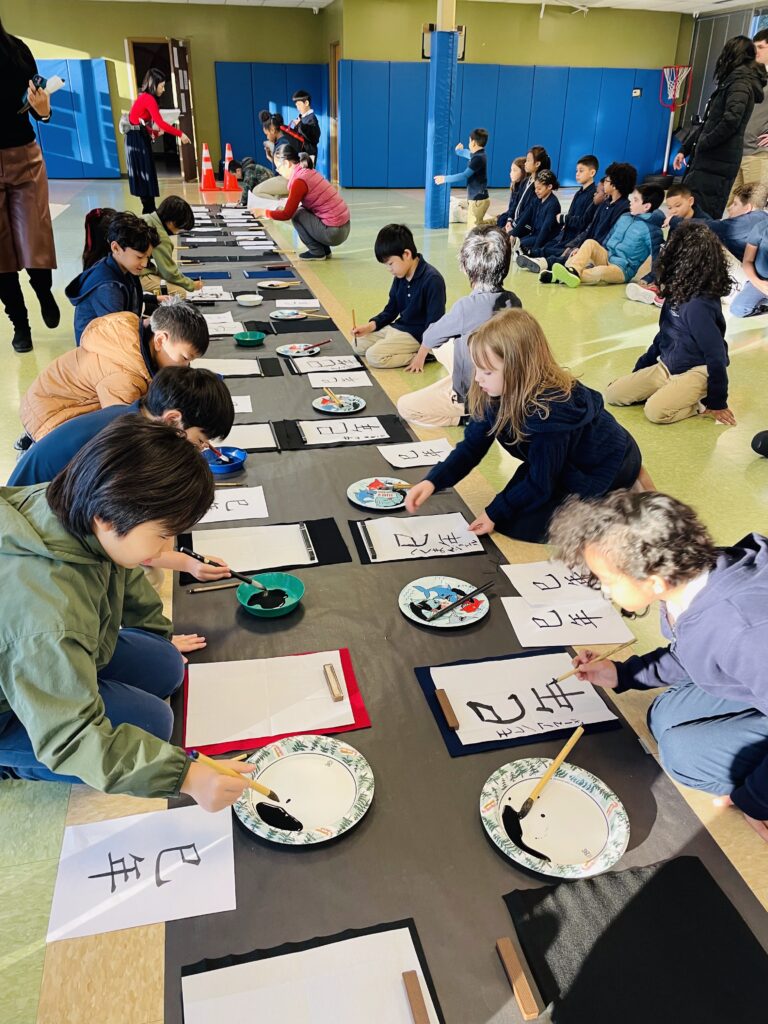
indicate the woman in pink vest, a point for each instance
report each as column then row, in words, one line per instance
column 319, row 214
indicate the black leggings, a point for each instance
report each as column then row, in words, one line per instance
column 148, row 204
column 13, row 299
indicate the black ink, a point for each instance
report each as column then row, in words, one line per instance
column 514, row 830
column 556, row 584
column 582, row 619
column 278, row 817
column 475, row 706
column 268, row 599
column 123, row 870
column 557, row 695
column 192, row 859
column 543, row 624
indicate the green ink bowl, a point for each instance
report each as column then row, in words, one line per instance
column 249, row 339
column 292, row 586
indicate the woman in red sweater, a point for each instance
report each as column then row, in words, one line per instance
column 145, row 125
column 317, row 211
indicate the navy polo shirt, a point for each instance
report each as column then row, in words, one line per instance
column 414, row 305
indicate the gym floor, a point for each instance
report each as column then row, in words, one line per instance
column 118, row 978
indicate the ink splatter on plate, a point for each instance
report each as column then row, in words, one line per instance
column 349, row 404
column 577, row 828
column 325, row 788
column 379, row 493
column 297, row 349
column 422, row 598
column 288, row 314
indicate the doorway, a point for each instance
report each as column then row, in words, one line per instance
column 144, row 54
column 333, row 112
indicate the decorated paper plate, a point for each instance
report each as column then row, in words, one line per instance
column 288, row 314
column 276, row 284
column 578, row 827
column 428, row 594
column 299, row 349
column 325, row 788
column 380, row 493
column 349, row 403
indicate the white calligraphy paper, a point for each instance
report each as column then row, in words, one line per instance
column 419, row 453
column 396, row 539
column 352, row 431
column 258, row 548
column 497, row 700
column 242, row 700
column 230, row 367
column 210, row 293
column 340, row 380
column 330, row 364
column 141, row 869
column 242, row 403
column 297, row 304
column 541, row 583
column 225, row 328
column 252, row 436
column 233, row 503
column 557, row 625
column 346, row 982
column 264, row 202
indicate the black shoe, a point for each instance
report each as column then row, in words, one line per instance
column 312, row 256
column 7, row 773
column 328, row 252
column 545, row 277
column 22, row 443
column 528, row 263
column 49, row 309
column 22, row 339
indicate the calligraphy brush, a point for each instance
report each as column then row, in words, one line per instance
column 219, row 454
column 333, row 397
column 210, row 561
column 537, row 789
column 461, row 600
column 215, row 586
column 594, row 661
column 251, row 783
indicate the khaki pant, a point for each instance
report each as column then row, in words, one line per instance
column 153, row 283
column 276, row 187
column 670, row 397
column 591, row 262
column 753, row 171
column 387, row 349
column 433, row 406
column 476, row 211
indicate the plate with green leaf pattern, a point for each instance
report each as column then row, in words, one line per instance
column 324, row 787
column 577, row 828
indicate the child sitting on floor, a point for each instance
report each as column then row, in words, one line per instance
column 753, row 297
column 249, row 174
column 112, row 284
column 96, row 246
column 517, row 182
column 544, row 222
column 635, row 237
column 540, row 414
column 536, row 159
column 711, row 723
column 172, row 216
column 416, row 300
column 744, row 216
column 685, row 369
column 484, row 258
column 579, row 215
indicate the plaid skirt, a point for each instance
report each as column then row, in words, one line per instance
column 142, row 176
column 26, row 232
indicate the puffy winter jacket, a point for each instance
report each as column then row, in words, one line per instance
column 633, row 239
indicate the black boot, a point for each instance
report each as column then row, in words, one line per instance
column 13, row 300
column 148, row 204
column 22, row 339
column 42, row 281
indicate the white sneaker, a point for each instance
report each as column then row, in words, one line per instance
column 640, row 293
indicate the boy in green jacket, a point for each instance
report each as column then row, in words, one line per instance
column 172, row 216
column 87, row 657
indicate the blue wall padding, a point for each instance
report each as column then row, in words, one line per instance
column 579, row 120
column 510, row 130
column 647, row 129
column 236, row 114
column 441, row 117
column 79, row 140
column 478, row 86
column 407, row 138
column 545, row 127
column 344, row 130
column 370, row 121
column 613, row 111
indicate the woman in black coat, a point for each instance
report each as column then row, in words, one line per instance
column 714, row 153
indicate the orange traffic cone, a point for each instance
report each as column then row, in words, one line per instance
column 231, row 183
column 208, row 181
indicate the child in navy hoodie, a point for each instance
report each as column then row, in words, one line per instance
column 544, row 223
column 540, row 414
column 579, row 216
column 684, row 372
column 711, row 722
column 112, row 284
column 536, row 159
column 475, row 177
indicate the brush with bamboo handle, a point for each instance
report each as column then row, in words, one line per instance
column 537, row 789
column 250, row 783
column 594, row 661
column 333, row 397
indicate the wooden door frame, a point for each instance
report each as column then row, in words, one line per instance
column 333, row 111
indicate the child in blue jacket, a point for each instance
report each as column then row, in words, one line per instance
column 684, row 372
column 112, row 284
column 635, row 237
column 544, row 222
column 579, row 216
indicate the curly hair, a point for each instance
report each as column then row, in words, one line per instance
column 693, row 262
column 641, row 535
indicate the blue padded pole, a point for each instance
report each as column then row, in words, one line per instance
column 441, row 116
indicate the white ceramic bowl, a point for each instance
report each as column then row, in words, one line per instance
column 250, row 300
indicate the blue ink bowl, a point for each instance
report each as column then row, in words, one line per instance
column 219, row 468
column 292, row 585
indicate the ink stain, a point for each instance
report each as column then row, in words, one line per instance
column 278, row 817
column 514, row 829
column 268, row 599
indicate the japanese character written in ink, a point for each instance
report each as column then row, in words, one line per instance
column 194, row 858
column 120, row 871
column 542, row 585
column 581, row 618
column 494, row 717
column 118, row 866
column 557, row 695
column 542, row 622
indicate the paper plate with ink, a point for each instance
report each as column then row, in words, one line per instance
column 577, row 828
column 379, row 493
column 420, row 600
column 349, row 404
column 297, row 349
column 288, row 314
column 237, row 457
column 276, row 284
column 325, row 788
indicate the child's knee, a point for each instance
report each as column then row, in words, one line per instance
column 381, row 357
column 159, row 720
column 168, row 668
column 660, row 412
column 614, row 393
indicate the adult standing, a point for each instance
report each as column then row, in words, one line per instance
column 26, row 232
column 754, row 160
column 319, row 214
column 145, row 124
column 715, row 151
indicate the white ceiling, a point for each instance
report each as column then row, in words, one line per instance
column 676, row 6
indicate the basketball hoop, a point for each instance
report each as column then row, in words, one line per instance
column 674, row 93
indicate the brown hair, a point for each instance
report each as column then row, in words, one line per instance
column 532, row 376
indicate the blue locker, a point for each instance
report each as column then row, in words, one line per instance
column 370, row 122
column 407, row 138
column 646, row 113
column 510, row 132
column 235, row 102
column 313, row 78
column 480, row 85
column 268, row 92
column 613, row 110
column 579, row 120
column 93, row 118
column 346, row 161
column 59, row 139
column 547, row 110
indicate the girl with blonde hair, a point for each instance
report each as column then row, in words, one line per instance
column 541, row 414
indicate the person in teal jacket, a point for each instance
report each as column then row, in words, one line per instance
column 87, row 658
column 635, row 237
